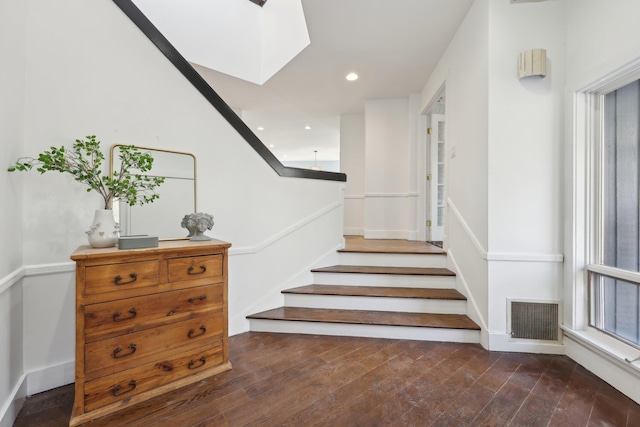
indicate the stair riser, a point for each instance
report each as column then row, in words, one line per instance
column 369, row 331
column 393, row 260
column 393, row 280
column 412, row 305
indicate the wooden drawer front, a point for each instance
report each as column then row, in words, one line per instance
column 110, row 319
column 116, row 354
column 192, row 268
column 118, row 277
column 123, row 385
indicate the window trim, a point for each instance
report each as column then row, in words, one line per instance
column 616, row 273
column 587, row 187
column 593, row 319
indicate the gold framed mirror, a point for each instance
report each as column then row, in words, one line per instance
column 163, row 217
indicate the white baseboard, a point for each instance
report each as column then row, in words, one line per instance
column 354, row 231
column 11, row 408
column 51, row 377
column 504, row 342
column 604, row 361
column 484, row 338
column 473, row 311
column 386, row 234
column 32, row 383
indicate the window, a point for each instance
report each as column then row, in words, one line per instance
column 614, row 270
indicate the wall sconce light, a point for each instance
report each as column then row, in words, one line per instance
column 532, row 62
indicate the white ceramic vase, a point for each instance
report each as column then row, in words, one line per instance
column 104, row 231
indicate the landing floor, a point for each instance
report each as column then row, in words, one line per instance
column 360, row 244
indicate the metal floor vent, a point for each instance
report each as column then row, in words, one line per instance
column 534, row 320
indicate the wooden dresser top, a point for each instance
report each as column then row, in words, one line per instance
column 84, row 252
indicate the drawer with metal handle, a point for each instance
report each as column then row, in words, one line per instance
column 126, row 384
column 125, row 316
column 195, row 268
column 116, row 354
column 101, row 279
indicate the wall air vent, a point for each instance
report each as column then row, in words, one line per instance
column 534, row 320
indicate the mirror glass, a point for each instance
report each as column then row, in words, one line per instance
column 163, row 217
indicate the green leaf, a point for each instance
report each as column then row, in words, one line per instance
column 84, row 163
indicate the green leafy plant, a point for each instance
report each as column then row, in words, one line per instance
column 84, row 163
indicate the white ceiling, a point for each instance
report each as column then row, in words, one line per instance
column 393, row 45
column 235, row 37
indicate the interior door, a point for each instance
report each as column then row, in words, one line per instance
column 436, row 178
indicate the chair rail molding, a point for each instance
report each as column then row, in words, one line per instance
column 502, row 256
column 392, row 195
column 11, row 279
column 284, row 233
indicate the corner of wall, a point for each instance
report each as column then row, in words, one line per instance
column 11, row 408
column 13, row 390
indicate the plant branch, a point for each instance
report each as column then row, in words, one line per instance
column 84, row 163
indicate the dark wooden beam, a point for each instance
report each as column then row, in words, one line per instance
column 259, row 2
column 172, row 54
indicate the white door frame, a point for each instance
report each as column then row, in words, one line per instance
column 423, row 166
column 435, row 232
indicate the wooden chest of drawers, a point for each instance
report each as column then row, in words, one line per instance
column 147, row 321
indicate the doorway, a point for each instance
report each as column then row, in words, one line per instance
column 436, row 171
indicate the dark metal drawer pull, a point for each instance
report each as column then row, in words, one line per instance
column 192, row 364
column 200, row 298
column 117, row 314
column 117, row 355
column 202, row 270
column 132, row 386
column 191, row 331
column 118, row 278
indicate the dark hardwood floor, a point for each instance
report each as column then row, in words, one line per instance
column 306, row 380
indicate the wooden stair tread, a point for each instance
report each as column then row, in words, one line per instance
column 394, row 251
column 368, row 317
column 377, row 291
column 389, row 246
column 362, row 269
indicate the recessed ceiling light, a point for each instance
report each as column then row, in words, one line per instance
column 307, row 127
column 352, row 76
column 271, row 145
column 260, row 128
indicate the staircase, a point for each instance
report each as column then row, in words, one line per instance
column 381, row 289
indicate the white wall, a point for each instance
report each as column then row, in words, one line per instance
column 464, row 69
column 12, row 50
column 505, row 181
column 387, row 178
column 525, row 160
column 602, row 37
column 89, row 70
column 325, row 165
column 352, row 163
column 12, row 78
column 525, row 129
column 416, row 169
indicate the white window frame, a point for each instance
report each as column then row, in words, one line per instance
column 588, row 133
